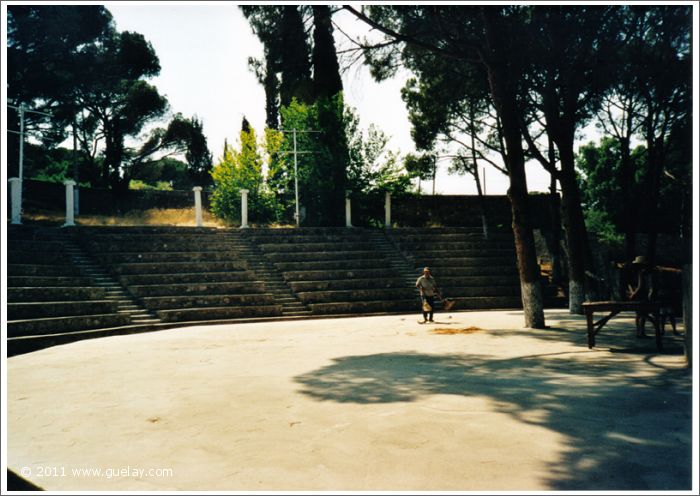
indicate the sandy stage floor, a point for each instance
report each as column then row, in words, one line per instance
column 373, row 403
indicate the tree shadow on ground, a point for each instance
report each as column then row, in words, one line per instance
column 625, row 428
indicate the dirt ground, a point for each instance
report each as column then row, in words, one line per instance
column 472, row 402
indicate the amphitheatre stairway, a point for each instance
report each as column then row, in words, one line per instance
column 49, row 295
column 81, row 282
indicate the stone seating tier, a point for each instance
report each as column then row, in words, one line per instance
column 352, row 307
column 175, row 267
column 140, row 246
column 454, row 246
column 197, row 288
column 172, row 278
column 486, row 251
column 336, row 265
column 451, row 237
column 356, row 295
column 337, row 274
column 148, row 230
column 303, row 256
column 54, row 293
column 305, row 231
column 218, row 313
column 35, row 257
column 40, row 309
column 446, row 264
column 338, row 246
column 175, row 256
column 192, row 301
column 330, row 285
column 34, row 245
column 481, row 269
column 73, row 323
column 42, row 270
column 47, row 281
column 270, row 239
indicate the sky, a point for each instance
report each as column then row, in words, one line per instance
column 204, row 50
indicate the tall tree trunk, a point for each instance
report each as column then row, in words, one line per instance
column 575, row 229
column 655, row 165
column 629, row 212
column 574, row 224
column 272, row 94
column 327, row 81
column 554, row 236
column 327, row 88
column 295, row 63
column 496, row 57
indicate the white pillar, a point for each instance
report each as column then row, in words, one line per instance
column 16, row 195
column 244, row 208
column 348, row 210
column 198, row 205
column 70, row 212
column 387, row 210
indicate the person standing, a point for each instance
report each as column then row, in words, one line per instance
column 642, row 288
column 428, row 288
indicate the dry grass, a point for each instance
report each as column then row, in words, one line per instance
column 447, row 331
column 151, row 217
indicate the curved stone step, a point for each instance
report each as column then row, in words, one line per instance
column 348, row 265
column 46, row 281
column 333, row 284
column 198, row 288
column 329, row 274
column 339, row 246
column 31, row 310
column 364, row 306
column 173, row 256
column 311, row 297
column 51, row 325
column 56, row 293
column 192, row 301
column 30, row 269
column 213, row 313
column 324, row 256
column 237, row 276
column 142, row 246
column 174, row 267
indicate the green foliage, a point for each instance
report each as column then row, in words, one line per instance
column 238, row 169
column 158, row 186
column 599, row 222
column 322, row 168
column 422, row 166
column 343, row 158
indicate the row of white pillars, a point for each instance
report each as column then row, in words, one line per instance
column 16, row 208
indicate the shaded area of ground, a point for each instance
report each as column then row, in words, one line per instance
column 608, row 416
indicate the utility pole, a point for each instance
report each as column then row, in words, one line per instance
column 22, row 109
column 297, row 216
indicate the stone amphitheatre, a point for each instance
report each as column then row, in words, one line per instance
column 291, row 359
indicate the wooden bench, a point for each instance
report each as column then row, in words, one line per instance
column 646, row 309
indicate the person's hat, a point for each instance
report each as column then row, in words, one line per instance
column 426, row 268
column 640, row 260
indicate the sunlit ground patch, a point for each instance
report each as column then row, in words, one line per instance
column 467, row 330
